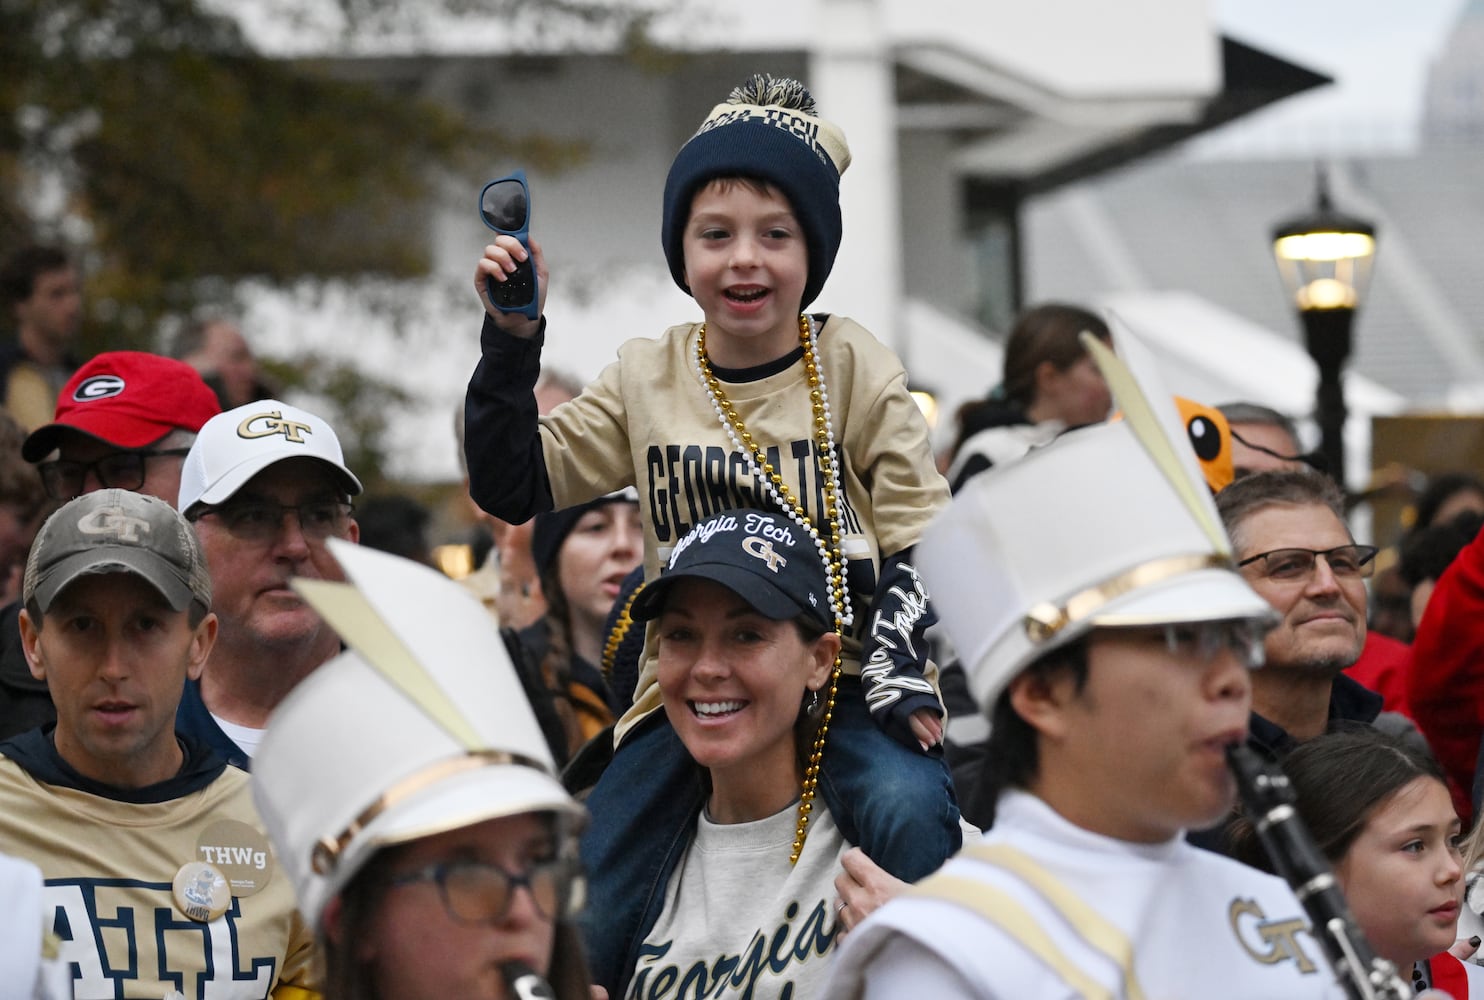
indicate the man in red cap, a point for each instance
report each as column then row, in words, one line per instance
column 125, row 420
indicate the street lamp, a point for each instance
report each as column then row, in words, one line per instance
column 1324, row 258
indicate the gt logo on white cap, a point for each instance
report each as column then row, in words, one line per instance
column 113, row 522
column 98, row 387
column 273, row 423
column 761, row 549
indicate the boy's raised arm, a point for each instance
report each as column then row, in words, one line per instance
column 507, row 471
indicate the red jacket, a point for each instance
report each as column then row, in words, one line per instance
column 1445, row 687
column 1383, row 667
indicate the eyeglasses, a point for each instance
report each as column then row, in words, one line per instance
column 476, row 892
column 1203, row 641
column 1347, row 562
column 65, row 479
column 262, row 520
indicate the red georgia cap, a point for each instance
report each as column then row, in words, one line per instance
column 129, row 399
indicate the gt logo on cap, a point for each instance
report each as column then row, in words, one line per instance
column 113, row 522
column 761, row 549
column 273, row 423
column 98, row 387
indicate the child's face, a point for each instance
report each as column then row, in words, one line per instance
column 746, row 264
column 1403, row 875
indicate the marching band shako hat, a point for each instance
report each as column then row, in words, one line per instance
column 1107, row 526
column 117, row 531
column 128, row 399
column 236, row 445
column 421, row 728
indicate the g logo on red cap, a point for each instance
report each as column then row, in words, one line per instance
column 98, row 387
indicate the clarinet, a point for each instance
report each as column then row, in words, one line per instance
column 1269, row 798
column 524, row 982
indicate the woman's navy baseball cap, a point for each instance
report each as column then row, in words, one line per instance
column 764, row 558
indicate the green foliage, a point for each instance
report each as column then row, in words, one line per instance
column 149, row 135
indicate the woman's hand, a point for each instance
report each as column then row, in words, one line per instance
column 498, row 262
column 598, row 993
column 927, row 727
column 863, row 886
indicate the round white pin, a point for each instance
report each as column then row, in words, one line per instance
column 201, row 891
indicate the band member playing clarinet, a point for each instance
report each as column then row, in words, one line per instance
column 1090, row 593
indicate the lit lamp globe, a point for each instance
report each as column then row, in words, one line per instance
column 1324, row 258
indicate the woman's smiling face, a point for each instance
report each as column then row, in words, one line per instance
column 733, row 682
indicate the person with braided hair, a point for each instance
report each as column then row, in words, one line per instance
column 761, row 406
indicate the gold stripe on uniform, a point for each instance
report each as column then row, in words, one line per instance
column 1095, row 929
column 1013, row 920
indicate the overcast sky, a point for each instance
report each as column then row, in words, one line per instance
column 1378, row 52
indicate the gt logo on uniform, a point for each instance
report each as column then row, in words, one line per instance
column 1277, row 940
column 261, row 425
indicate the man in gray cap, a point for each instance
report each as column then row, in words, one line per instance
column 157, row 872
column 266, row 486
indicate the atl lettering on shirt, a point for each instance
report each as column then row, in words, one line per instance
column 175, row 891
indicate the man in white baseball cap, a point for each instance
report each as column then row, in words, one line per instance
column 266, row 486
column 1091, row 593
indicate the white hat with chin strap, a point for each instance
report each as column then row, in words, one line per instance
column 421, row 728
column 1107, row 526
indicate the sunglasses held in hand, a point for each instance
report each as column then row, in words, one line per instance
column 505, row 206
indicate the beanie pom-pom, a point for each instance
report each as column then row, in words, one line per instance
column 764, row 90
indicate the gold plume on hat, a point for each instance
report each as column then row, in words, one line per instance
column 1144, row 420
column 349, row 613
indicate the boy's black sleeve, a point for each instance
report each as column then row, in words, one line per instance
column 894, row 650
column 507, row 471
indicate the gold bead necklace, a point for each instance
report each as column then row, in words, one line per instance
column 829, row 547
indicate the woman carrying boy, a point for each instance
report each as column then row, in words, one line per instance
column 759, row 406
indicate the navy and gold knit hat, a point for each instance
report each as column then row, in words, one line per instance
column 770, row 130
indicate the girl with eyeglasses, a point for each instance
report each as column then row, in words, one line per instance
column 1379, row 810
column 411, row 797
